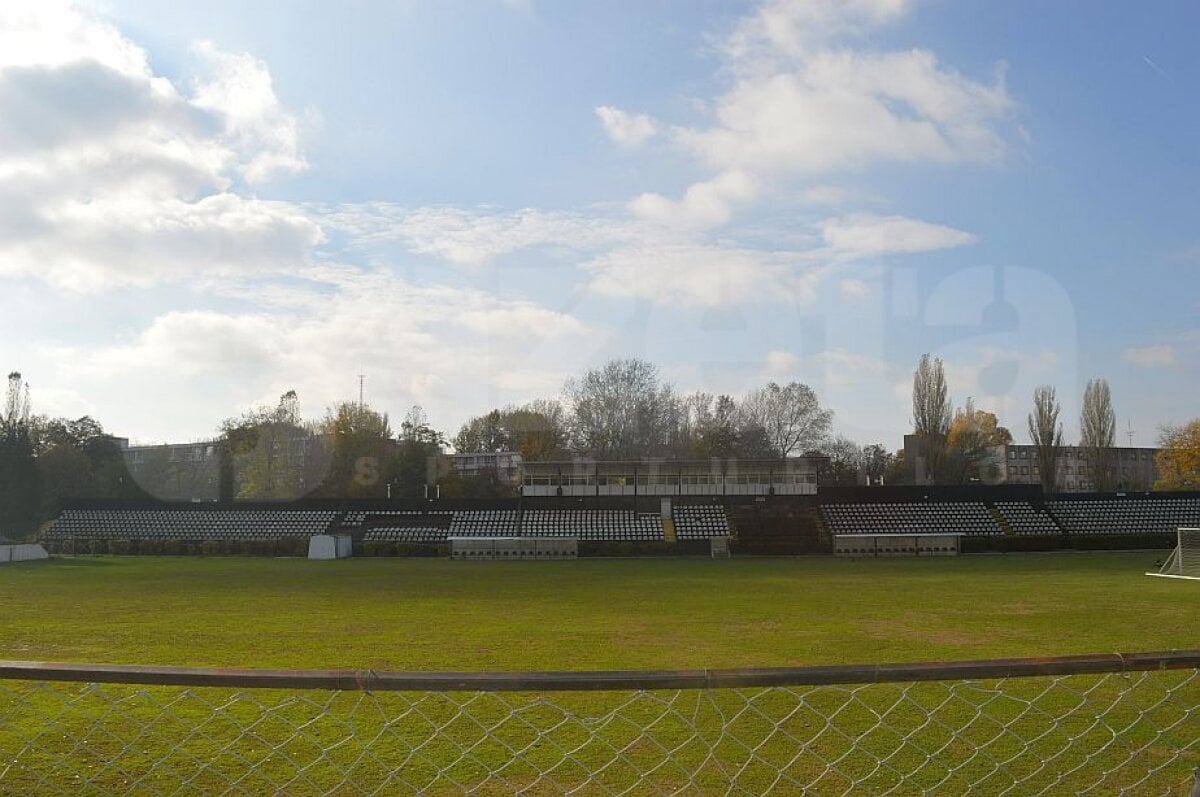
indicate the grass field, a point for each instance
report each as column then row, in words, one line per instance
column 1023, row 736
column 408, row 614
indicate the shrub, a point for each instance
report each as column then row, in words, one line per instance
column 1058, row 542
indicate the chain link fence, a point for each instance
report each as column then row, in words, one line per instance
column 1094, row 724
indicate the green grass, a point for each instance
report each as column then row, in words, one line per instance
column 407, row 614
column 401, row 614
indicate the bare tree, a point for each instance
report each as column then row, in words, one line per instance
column 931, row 413
column 15, row 414
column 845, row 461
column 621, row 410
column 1046, row 434
column 1097, row 432
column 791, row 415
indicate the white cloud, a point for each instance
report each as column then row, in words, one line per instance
column 865, row 235
column 854, row 288
column 829, row 195
column 110, row 175
column 196, row 342
column 237, row 88
column 781, row 365
column 789, row 28
column 48, row 33
column 842, row 367
column 624, row 128
column 704, row 204
column 531, row 381
column 417, row 342
column 803, row 104
column 93, row 246
column 1158, row 356
column 472, row 236
column 697, row 275
column 647, row 257
column 844, row 110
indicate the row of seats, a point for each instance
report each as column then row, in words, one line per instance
column 692, row 521
column 396, row 519
column 190, row 524
column 400, row 526
column 405, row 534
column 485, row 523
column 1126, row 515
column 587, row 524
column 700, row 521
column 1024, row 518
column 959, row 517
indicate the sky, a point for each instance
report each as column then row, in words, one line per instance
column 205, row 205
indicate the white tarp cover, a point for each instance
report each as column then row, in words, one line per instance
column 26, row 552
column 326, row 546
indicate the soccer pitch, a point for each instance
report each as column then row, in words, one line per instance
column 1036, row 735
column 426, row 614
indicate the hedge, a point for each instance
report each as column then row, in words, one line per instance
column 293, row 546
column 1008, row 543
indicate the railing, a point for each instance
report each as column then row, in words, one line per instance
column 1099, row 724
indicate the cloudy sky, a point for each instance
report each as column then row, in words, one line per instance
column 204, row 205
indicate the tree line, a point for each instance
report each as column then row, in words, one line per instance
column 622, row 409
column 46, row 460
column 625, row 410
column 955, row 446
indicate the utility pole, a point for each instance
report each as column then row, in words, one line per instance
column 1129, row 433
column 361, row 378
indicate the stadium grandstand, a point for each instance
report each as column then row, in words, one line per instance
column 754, row 523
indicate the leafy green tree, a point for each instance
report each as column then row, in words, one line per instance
column 270, row 451
column 356, row 442
column 878, row 462
column 537, row 431
column 77, row 459
column 418, row 460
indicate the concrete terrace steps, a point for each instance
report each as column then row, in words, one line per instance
column 774, row 529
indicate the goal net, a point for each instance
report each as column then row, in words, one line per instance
column 1184, row 561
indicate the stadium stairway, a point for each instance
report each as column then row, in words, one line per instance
column 669, row 530
column 778, row 529
column 1005, row 526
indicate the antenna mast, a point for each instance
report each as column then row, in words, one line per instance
column 361, row 379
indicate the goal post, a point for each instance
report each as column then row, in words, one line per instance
column 1184, row 559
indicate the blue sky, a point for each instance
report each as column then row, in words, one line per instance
column 205, row 205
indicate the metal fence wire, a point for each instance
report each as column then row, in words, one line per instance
column 1090, row 724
